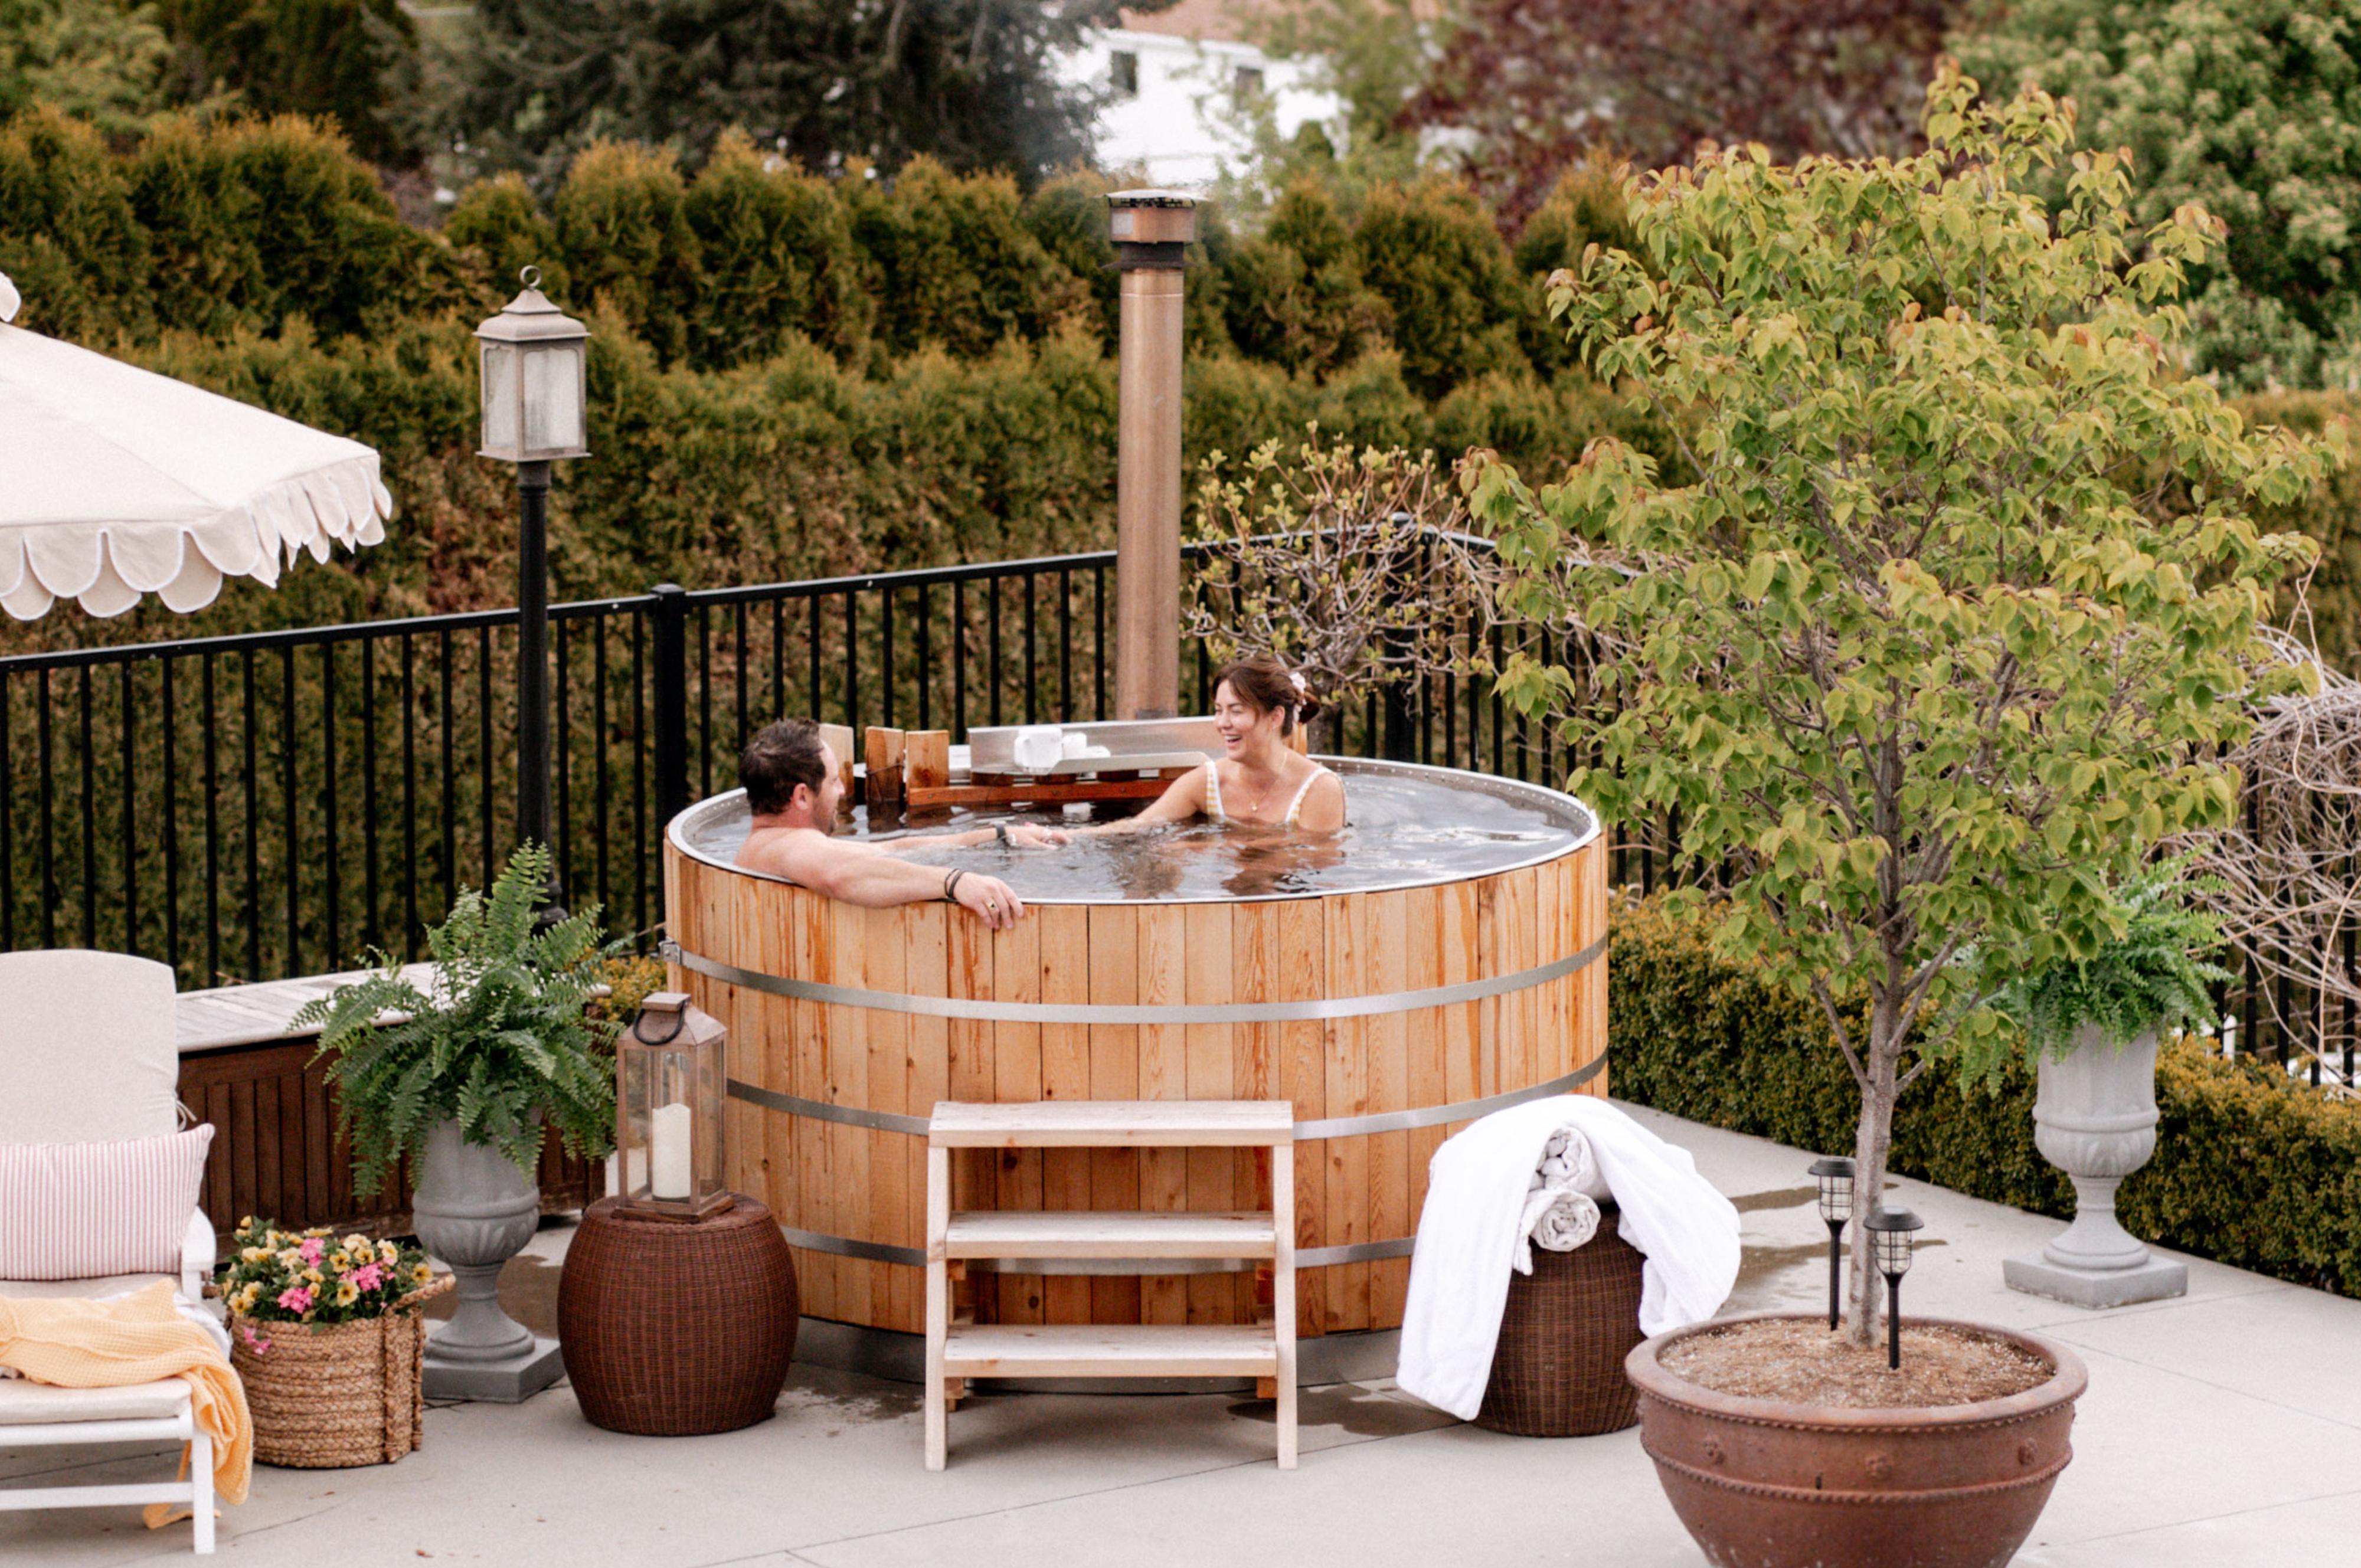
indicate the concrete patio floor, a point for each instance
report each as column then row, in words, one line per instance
column 2210, row 1437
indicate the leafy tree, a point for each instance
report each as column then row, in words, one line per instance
column 971, row 84
column 2250, row 107
column 345, row 61
column 1297, row 296
column 1430, row 252
column 1914, row 667
column 95, row 60
column 1531, row 85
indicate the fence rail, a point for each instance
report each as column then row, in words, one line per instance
column 269, row 805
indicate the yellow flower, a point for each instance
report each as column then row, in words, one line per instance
column 356, row 1243
column 290, row 1258
column 388, row 1253
column 346, row 1294
column 317, row 1231
column 254, row 1254
column 312, row 1275
column 247, row 1298
column 422, row 1275
column 340, row 1259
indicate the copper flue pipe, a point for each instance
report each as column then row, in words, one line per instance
column 1150, row 229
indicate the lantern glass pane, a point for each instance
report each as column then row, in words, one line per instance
column 501, row 399
column 1893, row 1252
column 553, row 398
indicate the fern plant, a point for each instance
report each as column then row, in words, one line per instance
column 2148, row 978
column 499, row 1033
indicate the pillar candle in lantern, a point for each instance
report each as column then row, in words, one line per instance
column 668, row 1151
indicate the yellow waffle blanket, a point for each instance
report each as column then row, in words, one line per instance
column 137, row 1338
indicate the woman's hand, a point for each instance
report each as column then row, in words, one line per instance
column 1025, row 836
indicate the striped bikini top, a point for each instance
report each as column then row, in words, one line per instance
column 1213, row 811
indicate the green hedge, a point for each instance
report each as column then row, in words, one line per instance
column 801, row 374
column 2250, row 1168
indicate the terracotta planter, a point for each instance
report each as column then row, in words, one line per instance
column 1765, row 1485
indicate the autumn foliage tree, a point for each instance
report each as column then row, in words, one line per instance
column 1526, row 87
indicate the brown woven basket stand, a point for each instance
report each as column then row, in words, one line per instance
column 675, row 1329
column 1558, row 1369
column 340, row 1397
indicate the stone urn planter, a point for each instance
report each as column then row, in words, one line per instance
column 474, row 1210
column 1761, row 1483
column 2094, row 1118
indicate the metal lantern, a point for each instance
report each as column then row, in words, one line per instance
column 536, row 374
column 1889, row 1231
column 670, row 1074
column 1835, row 1176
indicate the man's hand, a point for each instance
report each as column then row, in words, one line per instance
column 990, row 897
column 1027, row 836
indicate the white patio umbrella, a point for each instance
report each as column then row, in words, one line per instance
column 116, row 482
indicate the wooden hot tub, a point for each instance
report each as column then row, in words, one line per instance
column 1386, row 1016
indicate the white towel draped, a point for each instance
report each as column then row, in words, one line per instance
column 1471, row 1232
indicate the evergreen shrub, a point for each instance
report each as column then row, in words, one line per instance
column 2251, row 1168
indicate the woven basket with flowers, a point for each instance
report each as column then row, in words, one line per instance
column 326, row 1333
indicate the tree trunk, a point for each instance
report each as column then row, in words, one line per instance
column 1865, row 1314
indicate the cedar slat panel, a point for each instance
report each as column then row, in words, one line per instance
column 1209, row 974
column 1016, row 1077
column 1114, row 1075
column 1065, row 1075
column 1163, row 954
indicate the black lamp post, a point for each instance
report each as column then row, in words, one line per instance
column 1835, row 1176
column 1889, row 1231
column 535, row 373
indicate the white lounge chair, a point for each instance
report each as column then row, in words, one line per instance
column 87, row 1053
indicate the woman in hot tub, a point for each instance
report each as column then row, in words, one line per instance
column 1260, row 781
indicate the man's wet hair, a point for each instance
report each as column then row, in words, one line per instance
column 780, row 757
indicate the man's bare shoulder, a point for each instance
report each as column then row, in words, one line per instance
column 794, row 852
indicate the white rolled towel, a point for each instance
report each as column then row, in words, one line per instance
column 1560, row 1204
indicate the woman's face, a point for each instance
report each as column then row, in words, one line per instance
column 1241, row 727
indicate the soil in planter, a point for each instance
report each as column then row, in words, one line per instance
column 1798, row 1361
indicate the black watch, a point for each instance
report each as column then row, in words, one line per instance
column 1002, row 830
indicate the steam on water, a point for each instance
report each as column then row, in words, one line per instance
column 1401, row 828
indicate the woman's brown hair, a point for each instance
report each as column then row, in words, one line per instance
column 1262, row 682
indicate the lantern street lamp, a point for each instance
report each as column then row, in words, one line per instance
column 535, row 361
column 1835, row 1176
column 1889, row 1233
column 671, row 1069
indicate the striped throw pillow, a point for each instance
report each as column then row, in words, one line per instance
column 78, row 1211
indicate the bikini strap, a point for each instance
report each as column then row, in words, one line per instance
column 1296, row 806
column 1213, row 793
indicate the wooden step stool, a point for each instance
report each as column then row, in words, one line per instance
column 1084, row 1350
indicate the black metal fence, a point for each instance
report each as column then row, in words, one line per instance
column 256, row 806
column 253, row 807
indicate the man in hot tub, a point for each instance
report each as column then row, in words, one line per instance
column 793, row 789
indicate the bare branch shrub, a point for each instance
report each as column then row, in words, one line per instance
column 1350, row 564
column 2285, row 876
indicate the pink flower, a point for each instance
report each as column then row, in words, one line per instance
column 313, row 1249
column 255, row 1341
column 296, row 1297
column 368, row 1277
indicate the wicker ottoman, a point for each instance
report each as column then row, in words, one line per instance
column 673, row 1328
column 1558, row 1370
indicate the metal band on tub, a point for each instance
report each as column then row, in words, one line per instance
column 1121, row 1014
column 1328, row 1127
column 1114, row 1014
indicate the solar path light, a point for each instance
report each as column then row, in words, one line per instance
column 1889, row 1233
column 1835, row 1176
